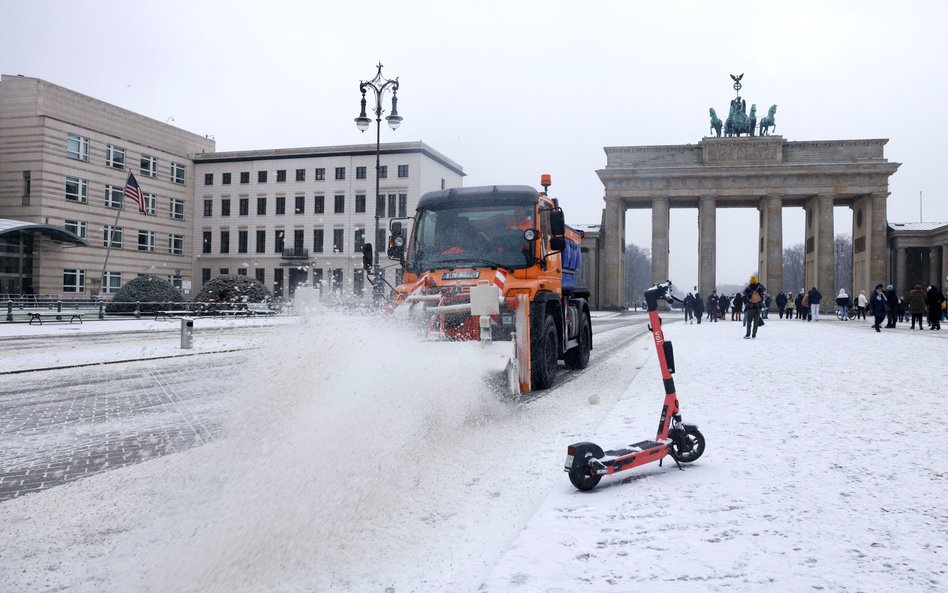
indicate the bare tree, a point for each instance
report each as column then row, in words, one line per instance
column 843, row 247
column 793, row 260
column 638, row 273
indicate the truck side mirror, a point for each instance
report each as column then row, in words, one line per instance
column 367, row 256
column 557, row 243
column 396, row 247
column 557, row 223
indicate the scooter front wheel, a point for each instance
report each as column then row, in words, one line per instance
column 579, row 477
column 688, row 446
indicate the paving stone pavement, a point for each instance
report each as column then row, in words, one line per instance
column 63, row 425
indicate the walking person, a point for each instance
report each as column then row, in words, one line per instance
column 781, row 302
column 765, row 311
column 917, row 305
column 754, row 297
column 815, row 297
column 713, row 306
column 892, row 300
column 699, row 308
column 689, row 308
column 723, row 303
column 791, row 303
column 934, row 299
column 737, row 307
column 861, row 303
column 804, row 313
column 879, row 305
column 844, row 303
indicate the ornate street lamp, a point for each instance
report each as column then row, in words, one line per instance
column 379, row 85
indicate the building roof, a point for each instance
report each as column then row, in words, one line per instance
column 58, row 234
column 916, row 226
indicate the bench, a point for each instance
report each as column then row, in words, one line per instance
column 38, row 316
column 259, row 309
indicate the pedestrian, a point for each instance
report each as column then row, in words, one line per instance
column 699, row 307
column 791, row 304
column 903, row 310
column 815, row 297
column 737, row 307
column 861, row 303
column 723, row 304
column 844, row 303
column 713, row 306
column 879, row 305
column 781, row 301
column 689, row 308
column 917, row 305
column 934, row 299
column 806, row 304
column 892, row 300
column 754, row 297
column 765, row 311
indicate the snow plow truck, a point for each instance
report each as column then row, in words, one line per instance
column 498, row 265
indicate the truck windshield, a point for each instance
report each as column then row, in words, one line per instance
column 480, row 235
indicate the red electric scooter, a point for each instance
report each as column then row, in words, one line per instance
column 587, row 463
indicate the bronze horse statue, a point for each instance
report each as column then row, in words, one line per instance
column 738, row 122
column 716, row 122
column 768, row 122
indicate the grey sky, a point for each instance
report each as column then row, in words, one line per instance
column 514, row 89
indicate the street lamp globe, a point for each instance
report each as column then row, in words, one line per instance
column 394, row 121
column 363, row 123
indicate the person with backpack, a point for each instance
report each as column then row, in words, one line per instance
column 754, row 300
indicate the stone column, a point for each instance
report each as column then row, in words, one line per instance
column 613, row 265
column 826, row 253
column 934, row 266
column 878, row 234
column 900, row 276
column 770, row 245
column 707, row 244
column 659, row 239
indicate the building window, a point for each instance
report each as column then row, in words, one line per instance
column 360, row 202
column 225, row 207
column 338, row 240
column 301, row 174
column 319, row 205
column 146, row 240
column 149, row 166
column 241, row 271
column 74, row 280
column 340, row 205
column 114, row 235
column 340, row 173
column 225, row 271
column 281, row 205
column 115, row 157
column 261, row 206
column 300, row 204
column 281, row 175
column 205, row 275
column 261, row 241
column 225, row 178
column 245, row 176
column 358, row 282
column 77, row 147
column 380, row 205
column 225, row 241
column 260, row 275
column 402, row 205
column 442, row 184
column 320, row 174
column 318, row 240
column 383, row 172
column 278, row 241
column 360, row 172
column 208, row 179
column 177, row 173
column 151, row 204
column 391, row 205
column 77, row 190
column 298, row 241
column 403, row 170
column 261, row 176
column 111, row 282
column 177, row 209
column 243, row 206
column 76, row 227
column 359, row 240
column 242, row 241
column 208, row 207
column 113, row 197
column 176, row 244
column 206, row 243
column 278, row 282
column 380, row 240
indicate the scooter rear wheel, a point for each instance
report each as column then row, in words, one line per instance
column 689, row 447
column 579, row 477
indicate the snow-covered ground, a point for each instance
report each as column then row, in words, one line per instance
column 360, row 460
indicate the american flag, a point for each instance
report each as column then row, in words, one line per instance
column 134, row 193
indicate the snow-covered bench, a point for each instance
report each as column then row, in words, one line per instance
column 38, row 316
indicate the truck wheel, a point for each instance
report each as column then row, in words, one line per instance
column 578, row 357
column 545, row 355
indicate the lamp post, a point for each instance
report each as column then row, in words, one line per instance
column 379, row 85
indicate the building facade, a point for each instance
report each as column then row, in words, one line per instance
column 64, row 161
column 299, row 217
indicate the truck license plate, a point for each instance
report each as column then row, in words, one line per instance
column 461, row 275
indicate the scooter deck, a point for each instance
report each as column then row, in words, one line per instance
column 633, row 448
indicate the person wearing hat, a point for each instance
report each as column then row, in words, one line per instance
column 892, row 299
column 754, row 299
column 879, row 306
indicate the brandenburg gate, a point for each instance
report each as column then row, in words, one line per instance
column 768, row 173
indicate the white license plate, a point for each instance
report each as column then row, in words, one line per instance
column 569, row 462
column 461, row 275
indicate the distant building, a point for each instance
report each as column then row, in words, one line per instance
column 918, row 254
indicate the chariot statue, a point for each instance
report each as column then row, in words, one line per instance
column 739, row 121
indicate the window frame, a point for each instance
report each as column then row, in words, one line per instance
column 77, row 227
column 110, row 192
column 82, row 190
column 114, row 235
column 176, row 208
column 179, row 173
column 174, row 239
column 110, row 287
column 149, row 244
column 79, row 282
column 340, row 173
column 403, row 171
column 111, row 152
column 148, row 165
column 82, row 147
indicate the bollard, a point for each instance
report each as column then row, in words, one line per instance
column 101, row 310
column 138, row 310
column 187, row 333
column 10, row 310
column 59, row 309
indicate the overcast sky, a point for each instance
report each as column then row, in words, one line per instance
column 513, row 89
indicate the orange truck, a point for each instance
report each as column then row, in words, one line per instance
column 497, row 264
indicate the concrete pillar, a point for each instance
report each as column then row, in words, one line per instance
column 707, row 244
column 900, row 276
column 613, row 264
column 820, row 248
column 659, row 239
column 944, row 269
column 934, row 266
column 878, row 227
column 770, row 245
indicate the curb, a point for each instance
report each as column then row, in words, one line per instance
column 92, row 364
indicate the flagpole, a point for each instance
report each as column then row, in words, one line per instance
column 109, row 246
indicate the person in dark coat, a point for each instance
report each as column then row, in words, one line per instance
column 892, row 300
column 934, row 299
column 754, row 297
column 737, row 307
column 879, row 305
column 815, row 298
column 765, row 311
column 781, row 301
column 723, row 303
column 844, row 303
column 917, row 305
column 699, row 307
column 798, row 303
column 689, row 307
column 713, row 306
